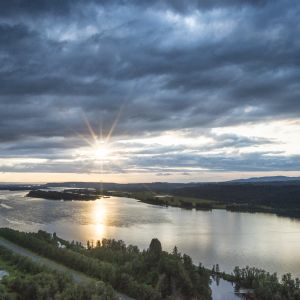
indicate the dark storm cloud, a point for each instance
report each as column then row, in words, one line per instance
column 172, row 65
column 58, row 7
column 235, row 141
column 222, row 141
column 163, row 165
column 239, row 162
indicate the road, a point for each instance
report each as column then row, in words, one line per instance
column 77, row 276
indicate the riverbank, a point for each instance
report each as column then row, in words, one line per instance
column 149, row 274
column 78, row 277
column 198, row 233
column 162, row 200
column 202, row 204
column 145, row 275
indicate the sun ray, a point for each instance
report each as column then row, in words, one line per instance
column 100, row 148
column 114, row 123
column 93, row 135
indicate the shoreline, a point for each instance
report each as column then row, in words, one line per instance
column 204, row 204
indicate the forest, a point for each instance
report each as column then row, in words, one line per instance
column 267, row 286
column 28, row 280
column 148, row 274
column 66, row 195
column 279, row 198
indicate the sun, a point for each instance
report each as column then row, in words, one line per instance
column 101, row 150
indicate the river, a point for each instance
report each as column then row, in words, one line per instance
column 227, row 238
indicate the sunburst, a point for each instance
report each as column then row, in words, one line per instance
column 101, row 150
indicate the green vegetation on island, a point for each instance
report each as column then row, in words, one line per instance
column 66, row 195
column 277, row 197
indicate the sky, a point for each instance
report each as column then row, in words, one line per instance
column 140, row 91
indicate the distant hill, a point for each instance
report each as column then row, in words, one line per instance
column 130, row 187
column 265, row 179
column 153, row 186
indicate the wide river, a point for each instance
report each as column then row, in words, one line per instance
column 227, row 238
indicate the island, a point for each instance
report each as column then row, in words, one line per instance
column 252, row 195
column 65, row 195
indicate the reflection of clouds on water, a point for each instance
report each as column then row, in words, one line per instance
column 2, row 205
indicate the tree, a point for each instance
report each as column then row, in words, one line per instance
column 88, row 245
column 175, row 252
column 155, row 249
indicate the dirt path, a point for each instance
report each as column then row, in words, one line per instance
column 77, row 276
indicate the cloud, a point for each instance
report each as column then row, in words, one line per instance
column 176, row 65
column 57, row 7
column 242, row 162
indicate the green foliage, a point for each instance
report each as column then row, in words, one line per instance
column 33, row 281
column 155, row 249
column 152, row 274
column 66, row 195
column 267, row 286
column 279, row 198
column 169, row 275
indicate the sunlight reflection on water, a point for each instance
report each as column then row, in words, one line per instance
column 226, row 238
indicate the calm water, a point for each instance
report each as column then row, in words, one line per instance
column 224, row 290
column 226, row 238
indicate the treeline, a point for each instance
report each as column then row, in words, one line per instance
column 172, row 274
column 152, row 274
column 149, row 274
column 67, row 195
column 279, row 195
column 261, row 285
column 44, row 244
column 267, row 286
column 170, row 201
column 282, row 199
column 32, row 281
column 165, row 200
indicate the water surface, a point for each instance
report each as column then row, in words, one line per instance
column 224, row 290
column 227, row 238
